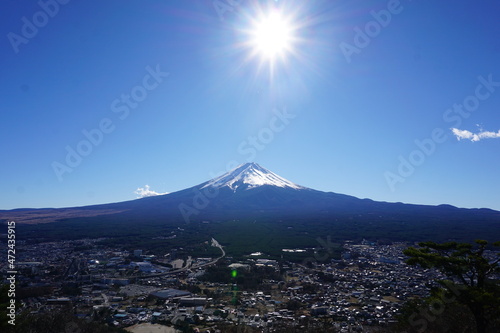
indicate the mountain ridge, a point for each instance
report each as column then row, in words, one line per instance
column 250, row 190
column 248, row 176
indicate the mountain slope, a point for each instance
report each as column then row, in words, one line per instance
column 248, row 176
column 252, row 192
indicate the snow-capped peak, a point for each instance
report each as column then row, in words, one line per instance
column 250, row 175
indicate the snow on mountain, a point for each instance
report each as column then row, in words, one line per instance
column 250, row 175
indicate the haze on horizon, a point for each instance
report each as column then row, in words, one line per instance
column 389, row 100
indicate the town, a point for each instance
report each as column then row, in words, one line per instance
column 362, row 290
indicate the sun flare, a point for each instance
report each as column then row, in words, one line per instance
column 271, row 40
column 272, row 36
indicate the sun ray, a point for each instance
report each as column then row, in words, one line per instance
column 275, row 47
column 270, row 37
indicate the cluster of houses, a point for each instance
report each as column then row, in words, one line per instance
column 366, row 287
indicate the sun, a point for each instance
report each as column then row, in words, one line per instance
column 271, row 36
column 270, row 39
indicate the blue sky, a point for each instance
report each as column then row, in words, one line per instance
column 169, row 98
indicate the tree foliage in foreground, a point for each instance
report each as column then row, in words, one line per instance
column 471, row 288
column 58, row 321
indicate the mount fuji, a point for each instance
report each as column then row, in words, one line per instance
column 248, row 176
column 252, row 193
column 250, row 190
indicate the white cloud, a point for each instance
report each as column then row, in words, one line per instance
column 464, row 134
column 145, row 191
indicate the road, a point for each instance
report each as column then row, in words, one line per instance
column 215, row 243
